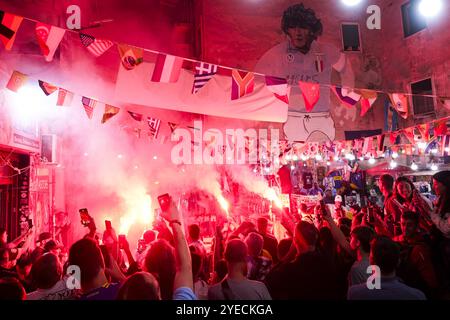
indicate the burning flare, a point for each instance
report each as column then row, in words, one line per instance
column 271, row 195
column 139, row 210
column 223, row 203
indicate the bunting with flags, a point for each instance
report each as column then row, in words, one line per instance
column 400, row 104
column 242, row 83
column 47, row 87
column 153, row 125
column 348, row 98
column 95, row 46
column 9, row 24
column 393, row 137
column 89, row 105
column 135, row 116
column 358, row 145
column 48, row 38
column 368, row 98
column 440, row 127
column 167, row 68
column 17, row 81
column 424, row 130
column 65, row 98
column 279, row 87
column 130, row 56
column 395, row 148
column 110, row 111
column 203, row 73
column 311, row 94
column 367, row 145
column 409, row 133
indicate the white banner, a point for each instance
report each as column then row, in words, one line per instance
column 135, row 86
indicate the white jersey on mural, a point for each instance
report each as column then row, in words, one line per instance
column 315, row 66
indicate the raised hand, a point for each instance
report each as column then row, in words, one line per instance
column 172, row 213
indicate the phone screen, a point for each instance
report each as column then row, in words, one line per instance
column 164, row 202
column 84, row 215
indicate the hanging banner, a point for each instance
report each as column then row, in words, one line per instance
column 134, row 86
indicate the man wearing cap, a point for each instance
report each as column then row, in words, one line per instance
column 338, row 212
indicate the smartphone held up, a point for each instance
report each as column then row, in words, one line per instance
column 164, row 202
column 85, row 217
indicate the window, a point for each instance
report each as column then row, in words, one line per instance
column 413, row 22
column 350, row 37
column 422, row 105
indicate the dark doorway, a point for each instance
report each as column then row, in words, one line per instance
column 10, row 191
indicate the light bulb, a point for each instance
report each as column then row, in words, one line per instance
column 351, row 3
column 372, row 160
column 414, row 166
column 430, row 8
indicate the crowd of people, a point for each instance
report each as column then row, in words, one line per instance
column 399, row 252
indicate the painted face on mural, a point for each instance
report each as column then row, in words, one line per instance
column 300, row 38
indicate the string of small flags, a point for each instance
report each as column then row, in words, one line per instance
column 374, row 145
column 65, row 99
column 168, row 68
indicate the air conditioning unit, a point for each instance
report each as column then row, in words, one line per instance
column 49, row 148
